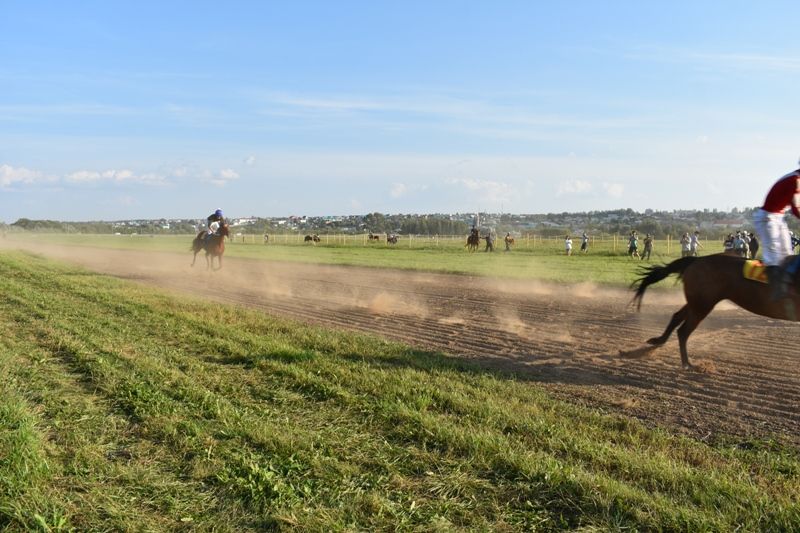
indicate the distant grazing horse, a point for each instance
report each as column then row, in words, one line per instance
column 314, row 239
column 391, row 239
column 214, row 246
column 372, row 237
column 473, row 241
column 707, row 281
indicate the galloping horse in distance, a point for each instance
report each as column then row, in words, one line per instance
column 509, row 240
column 707, row 281
column 473, row 241
column 313, row 239
column 214, row 246
column 371, row 237
column 391, row 239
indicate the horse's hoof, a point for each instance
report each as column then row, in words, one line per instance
column 656, row 341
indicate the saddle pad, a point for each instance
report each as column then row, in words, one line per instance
column 755, row 270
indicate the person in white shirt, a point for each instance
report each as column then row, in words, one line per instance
column 694, row 243
column 686, row 245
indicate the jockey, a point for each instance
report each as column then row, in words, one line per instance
column 773, row 232
column 214, row 221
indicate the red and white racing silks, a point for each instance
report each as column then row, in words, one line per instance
column 770, row 220
column 783, row 194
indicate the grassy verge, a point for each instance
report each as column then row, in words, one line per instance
column 124, row 408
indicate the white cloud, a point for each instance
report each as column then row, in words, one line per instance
column 228, row 174
column 614, row 190
column 573, row 187
column 492, row 192
column 398, row 190
column 10, row 175
column 746, row 61
column 250, row 160
column 180, row 172
column 478, row 185
column 113, row 176
column 221, row 178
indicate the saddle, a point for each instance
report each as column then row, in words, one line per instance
column 755, row 270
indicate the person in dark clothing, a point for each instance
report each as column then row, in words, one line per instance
column 214, row 221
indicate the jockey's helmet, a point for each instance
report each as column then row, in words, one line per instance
column 218, row 212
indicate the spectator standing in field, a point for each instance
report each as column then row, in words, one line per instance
column 745, row 245
column 753, row 245
column 568, row 245
column 584, row 243
column 633, row 245
column 489, row 242
column 727, row 244
column 694, row 243
column 738, row 244
column 686, row 245
column 773, row 231
column 648, row 247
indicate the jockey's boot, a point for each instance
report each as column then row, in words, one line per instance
column 779, row 289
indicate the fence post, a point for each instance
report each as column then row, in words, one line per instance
column 668, row 243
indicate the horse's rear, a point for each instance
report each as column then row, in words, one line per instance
column 707, row 281
column 197, row 243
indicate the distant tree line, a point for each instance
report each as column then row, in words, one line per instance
column 55, row 226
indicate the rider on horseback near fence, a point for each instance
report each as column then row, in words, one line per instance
column 773, row 232
column 214, row 221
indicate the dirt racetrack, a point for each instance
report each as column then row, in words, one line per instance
column 580, row 342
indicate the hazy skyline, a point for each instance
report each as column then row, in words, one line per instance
column 113, row 111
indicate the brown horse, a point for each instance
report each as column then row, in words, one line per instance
column 214, row 246
column 707, row 281
column 473, row 241
column 371, row 237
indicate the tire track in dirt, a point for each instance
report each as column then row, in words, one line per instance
column 582, row 343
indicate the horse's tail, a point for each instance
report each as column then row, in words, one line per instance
column 654, row 274
column 197, row 243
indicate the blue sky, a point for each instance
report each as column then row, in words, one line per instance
column 111, row 111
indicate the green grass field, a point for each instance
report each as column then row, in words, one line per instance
column 124, row 408
column 606, row 262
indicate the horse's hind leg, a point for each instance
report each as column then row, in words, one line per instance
column 693, row 318
column 676, row 321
